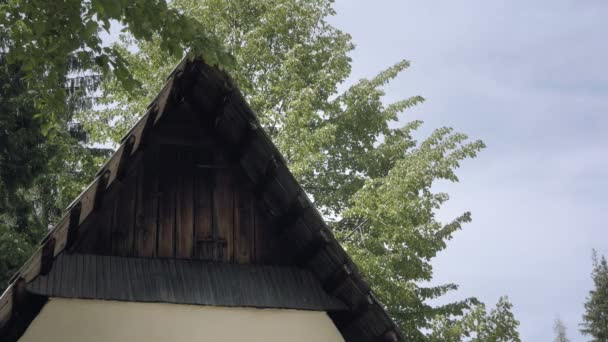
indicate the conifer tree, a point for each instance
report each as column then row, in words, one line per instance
column 560, row 331
column 595, row 318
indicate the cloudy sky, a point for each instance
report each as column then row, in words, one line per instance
column 530, row 79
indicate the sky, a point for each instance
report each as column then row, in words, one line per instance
column 530, row 79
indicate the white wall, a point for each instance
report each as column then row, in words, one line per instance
column 78, row 320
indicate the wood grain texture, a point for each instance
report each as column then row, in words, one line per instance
column 262, row 237
column 185, row 205
column 146, row 211
column 223, row 212
column 147, row 240
column 203, row 221
column 243, row 227
column 123, row 237
column 166, row 219
column 184, row 202
column 103, row 227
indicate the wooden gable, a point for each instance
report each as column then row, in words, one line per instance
column 197, row 178
column 182, row 198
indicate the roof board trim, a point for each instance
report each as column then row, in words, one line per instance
column 183, row 281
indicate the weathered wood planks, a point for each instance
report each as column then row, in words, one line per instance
column 179, row 201
column 244, row 227
column 203, row 205
column 166, row 211
column 184, row 219
column 146, row 221
column 123, row 234
column 223, row 211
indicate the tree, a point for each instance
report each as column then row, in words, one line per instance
column 39, row 175
column 34, row 183
column 371, row 179
column 23, row 157
column 49, row 38
column 560, row 331
column 477, row 325
column 595, row 318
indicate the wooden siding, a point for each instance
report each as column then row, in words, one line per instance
column 182, row 202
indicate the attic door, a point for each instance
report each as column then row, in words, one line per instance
column 181, row 201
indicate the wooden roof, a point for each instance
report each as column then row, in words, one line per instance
column 182, row 281
column 209, row 95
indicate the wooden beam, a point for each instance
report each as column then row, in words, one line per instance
column 145, row 135
column 234, row 134
column 251, row 132
column 47, row 257
column 236, row 151
column 363, row 306
column 297, row 206
column 214, row 86
column 319, row 241
column 101, row 189
column 164, row 98
column 19, row 293
column 125, row 157
column 356, row 312
column 337, row 278
column 73, row 225
column 6, row 307
column 268, row 177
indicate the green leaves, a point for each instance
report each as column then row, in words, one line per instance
column 42, row 166
column 47, row 38
column 91, row 28
column 111, row 9
column 478, row 325
column 595, row 318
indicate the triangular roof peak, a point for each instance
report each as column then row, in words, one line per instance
column 202, row 112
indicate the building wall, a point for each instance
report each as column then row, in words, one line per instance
column 77, row 320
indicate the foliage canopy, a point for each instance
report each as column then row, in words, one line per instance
column 39, row 174
column 478, row 325
column 50, row 39
column 350, row 151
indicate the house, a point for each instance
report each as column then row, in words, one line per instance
column 194, row 230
